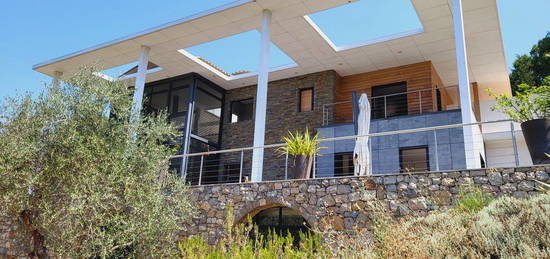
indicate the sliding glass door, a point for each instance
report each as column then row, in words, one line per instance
column 176, row 96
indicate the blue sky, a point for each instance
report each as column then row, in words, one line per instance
column 369, row 14
column 36, row 30
column 238, row 52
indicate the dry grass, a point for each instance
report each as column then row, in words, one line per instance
column 506, row 228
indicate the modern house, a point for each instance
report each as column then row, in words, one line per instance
column 432, row 75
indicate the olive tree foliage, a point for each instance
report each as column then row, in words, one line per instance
column 532, row 102
column 85, row 182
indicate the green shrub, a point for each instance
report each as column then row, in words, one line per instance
column 511, row 227
column 529, row 103
column 85, row 184
column 471, row 199
column 261, row 246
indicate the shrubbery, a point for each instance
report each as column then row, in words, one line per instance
column 83, row 177
column 507, row 227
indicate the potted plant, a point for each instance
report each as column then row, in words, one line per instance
column 302, row 147
column 530, row 107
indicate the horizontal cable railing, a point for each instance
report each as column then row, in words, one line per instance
column 405, row 103
column 437, row 148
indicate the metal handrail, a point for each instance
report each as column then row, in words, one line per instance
column 342, row 102
column 415, row 91
column 385, row 96
column 326, row 112
column 386, row 133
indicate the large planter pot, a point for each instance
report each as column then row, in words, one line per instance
column 537, row 137
column 301, row 168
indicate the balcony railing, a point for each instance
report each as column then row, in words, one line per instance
column 429, row 149
column 406, row 103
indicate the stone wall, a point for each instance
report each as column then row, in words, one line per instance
column 341, row 202
column 338, row 202
column 282, row 116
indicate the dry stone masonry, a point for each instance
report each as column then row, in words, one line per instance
column 335, row 202
column 341, row 202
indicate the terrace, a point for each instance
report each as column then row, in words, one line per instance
column 409, row 150
column 430, row 110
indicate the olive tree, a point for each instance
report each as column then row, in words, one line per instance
column 83, row 179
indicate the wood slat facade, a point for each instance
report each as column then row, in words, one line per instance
column 419, row 76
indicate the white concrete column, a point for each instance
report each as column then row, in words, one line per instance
column 471, row 147
column 56, row 79
column 261, row 99
column 140, row 82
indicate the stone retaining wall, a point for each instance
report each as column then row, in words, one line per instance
column 341, row 202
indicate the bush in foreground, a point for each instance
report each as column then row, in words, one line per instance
column 83, row 177
column 505, row 228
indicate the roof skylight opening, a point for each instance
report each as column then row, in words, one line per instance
column 126, row 71
column 236, row 55
column 117, row 71
column 366, row 22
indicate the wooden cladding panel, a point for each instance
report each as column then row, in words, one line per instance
column 418, row 76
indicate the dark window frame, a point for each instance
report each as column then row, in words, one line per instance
column 425, row 147
column 336, row 163
column 300, row 91
column 378, row 100
column 207, row 87
column 230, row 119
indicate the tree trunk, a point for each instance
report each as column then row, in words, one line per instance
column 39, row 250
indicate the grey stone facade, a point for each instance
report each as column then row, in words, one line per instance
column 385, row 149
column 282, row 116
column 341, row 202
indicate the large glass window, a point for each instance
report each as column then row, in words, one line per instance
column 173, row 95
column 179, row 100
column 158, row 102
column 207, row 114
column 389, row 100
column 179, row 104
column 414, row 159
column 156, row 98
column 343, row 164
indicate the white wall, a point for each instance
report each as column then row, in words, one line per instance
column 488, row 115
column 499, row 150
column 500, row 153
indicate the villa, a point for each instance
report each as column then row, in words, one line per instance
column 426, row 81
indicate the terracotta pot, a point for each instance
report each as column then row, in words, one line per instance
column 301, row 168
column 537, row 137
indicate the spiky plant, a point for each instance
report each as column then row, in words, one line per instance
column 300, row 143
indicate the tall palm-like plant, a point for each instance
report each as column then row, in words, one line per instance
column 303, row 147
column 300, row 143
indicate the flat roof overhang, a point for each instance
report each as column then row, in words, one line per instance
column 293, row 33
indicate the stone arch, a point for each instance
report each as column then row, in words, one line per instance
column 253, row 208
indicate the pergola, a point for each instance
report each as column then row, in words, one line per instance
column 462, row 38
